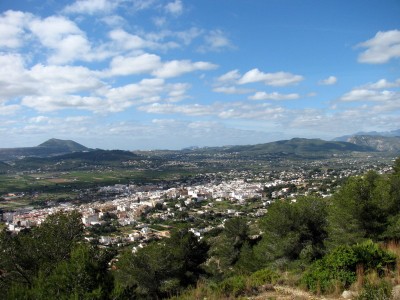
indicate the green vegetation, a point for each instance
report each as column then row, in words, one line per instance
column 348, row 241
column 339, row 267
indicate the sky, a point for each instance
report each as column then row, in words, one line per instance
column 169, row 74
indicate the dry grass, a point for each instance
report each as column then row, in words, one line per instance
column 394, row 247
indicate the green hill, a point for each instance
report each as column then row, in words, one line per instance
column 4, row 167
column 76, row 160
column 294, row 147
column 49, row 148
column 63, row 145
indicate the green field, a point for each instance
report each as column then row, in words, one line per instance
column 40, row 187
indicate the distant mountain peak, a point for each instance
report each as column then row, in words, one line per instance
column 63, row 144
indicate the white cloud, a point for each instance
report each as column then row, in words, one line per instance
column 187, row 36
column 231, row 90
column 63, row 37
column 114, row 21
column 235, row 110
column 273, row 96
column 14, row 79
column 174, row 8
column 142, row 64
column 91, row 6
column 59, row 80
column 143, row 4
column 51, row 103
column 369, row 95
column 12, row 31
column 176, row 68
column 146, row 91
column 127, row 41
column 273, row 79
column 328, row 81
column 263, row 111
column 231, row 76
column 7, row 110
column 159, row 21
column 215, row 40
column 190, row 110
column 363, row 118
column 384, row 46
column 382, row 84
column 39, row 119
column 177, row 92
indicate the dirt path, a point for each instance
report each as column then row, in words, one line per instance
column 288, row 293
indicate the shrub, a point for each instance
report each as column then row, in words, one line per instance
column 241, row 285
column 380, row 290
column 263, row 276
column 338, row 268
column 234, row 286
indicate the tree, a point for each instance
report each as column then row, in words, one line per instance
column 83, row 276
column 293, row 231
column 226, row 247
column 23, row 255
column 393, row 227
column 163, row 268
column 360, row 210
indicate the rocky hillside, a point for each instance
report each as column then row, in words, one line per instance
column 379, row 143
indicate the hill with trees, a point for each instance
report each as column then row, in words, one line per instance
column 49, row 148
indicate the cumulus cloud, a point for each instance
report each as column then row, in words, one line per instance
column 50, row 103
column 215, row 40
column 175, row 8
column 58, row 80
column 230, row 77
column 142, row 64
column 382, row 84
column 176, row 68
column 12, row 28
column 236, row 110
column 331, row 80
column 369, row 95
column 14, row 79
column 384, row 46
column 274, row 96
column 364, row 118
column 273, row 79
column 127, row 41
column 63, row 37
column 91, row 6
column 265, row 112
column 146, row 91
column 231, row 90
column 167, row 108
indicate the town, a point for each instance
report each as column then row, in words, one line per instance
column 134, row 214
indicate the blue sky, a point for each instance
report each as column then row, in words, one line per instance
column 168, row 74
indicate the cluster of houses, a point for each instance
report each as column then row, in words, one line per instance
column 132, row 202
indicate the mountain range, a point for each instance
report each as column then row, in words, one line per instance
column 393, row 133
column 301, row 147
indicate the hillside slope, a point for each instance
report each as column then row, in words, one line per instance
column 49, row 148
column 378, row 143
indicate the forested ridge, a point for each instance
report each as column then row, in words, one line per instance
column 323, row 245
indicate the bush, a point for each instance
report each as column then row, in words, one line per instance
column 263, row 276
column 376, row 291
column 241, row 285
column 338, row 268
column 234, row 286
